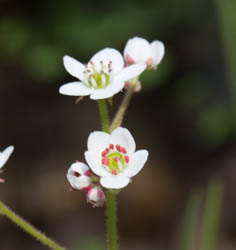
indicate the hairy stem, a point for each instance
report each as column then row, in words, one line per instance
column 23, row 224
column 124, row 105
column 112, row 234
column 104, row 115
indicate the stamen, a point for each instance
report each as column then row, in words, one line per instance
column 114, row 172
column 105, row 161
column 126, row 158
column 111, row 146
column 104, row 153
column 88, row 173
column 118, row 147
column 123, row 150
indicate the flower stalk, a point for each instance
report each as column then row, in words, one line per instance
column 112, row 234
column 104, row 115
column 23, row 224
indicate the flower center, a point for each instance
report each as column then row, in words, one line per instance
column 115, row 159
column 98, row 79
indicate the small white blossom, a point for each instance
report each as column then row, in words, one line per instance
column 5, row 154
column 139, row 50
column 113, row 157
column 96, row 196
column 79, row 176
column 103, row 76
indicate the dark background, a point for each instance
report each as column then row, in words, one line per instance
column 184, row 116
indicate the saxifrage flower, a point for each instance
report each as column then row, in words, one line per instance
column 103, row 76
column 139, row 50
column 113, row 157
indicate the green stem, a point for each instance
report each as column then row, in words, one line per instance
column 124, row 105
column 29, row 228
column 111, row 222
column 104, row 115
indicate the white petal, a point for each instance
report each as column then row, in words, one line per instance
column 73, row 67
column 113, row 88
column 157, row 51
column 78, row 182
column 123, row 137
column 79, row 167
column 115, row 181
column 5, row 155
column 98, row 141
column 106, row 55
column 130, row 72
column 95, row 164
column 75, row 89
column 138, row 49
column 136, row 163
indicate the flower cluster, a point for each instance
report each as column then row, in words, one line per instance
column 112, row 158
column 106, row 72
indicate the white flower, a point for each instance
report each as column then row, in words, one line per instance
column 139, row 50
column 96, row 197
column 79, row 176
column 102, row 77
column 4, row 155
column 113, row 157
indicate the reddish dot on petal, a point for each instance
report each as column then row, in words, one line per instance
column 129, row 59
column 111, row 146
column 114, row 172
column 76, row 174
column 118, row 147
column 123, row 150
column 88, row 173
column 127, row 159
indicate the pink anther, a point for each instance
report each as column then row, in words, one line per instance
column 111, row 146
column 105, row 161
column 104, row 153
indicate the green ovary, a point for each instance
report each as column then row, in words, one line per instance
column 113, row 164
column 98, row 79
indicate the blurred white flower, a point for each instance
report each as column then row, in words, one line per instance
column 139, row 50
column 79, row 176
column 5, row 154
column 96, row 196
column 113, row 157
column 102, row 77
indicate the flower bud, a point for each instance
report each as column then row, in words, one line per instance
column 96, row 196
column 139, row 50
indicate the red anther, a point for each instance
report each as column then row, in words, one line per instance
column 118, row 147
column 105, row 161
column 88, row 173
column 129, row 59
column 104, row 153
column 116, row 158
column 77, row 174
column 127, row 159
column 111, row 146
column 114, row 171
column 123, row 150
